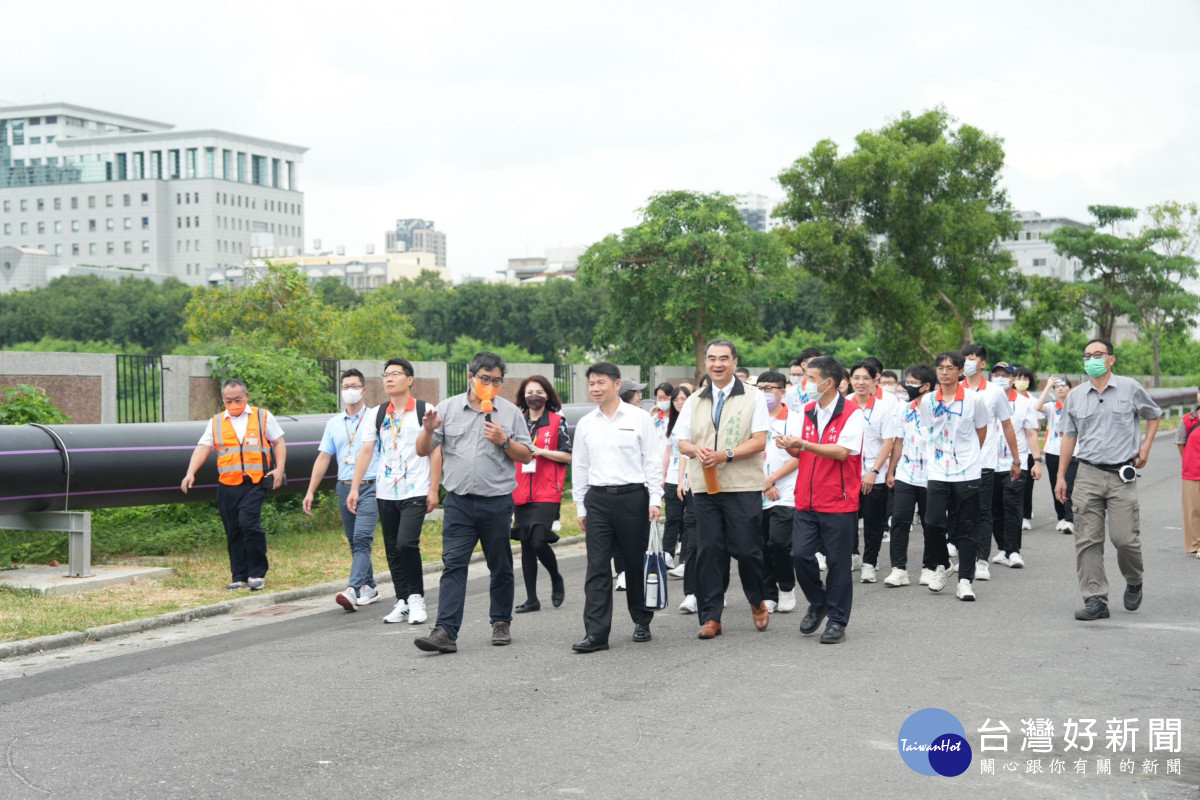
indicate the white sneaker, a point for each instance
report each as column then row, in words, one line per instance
column 771, row 606
column 416, row 609
column 855, row 562
column 787, row 602
column 926, row 575
column 367, row 595
column 952, row 550
column 964, row 590
column 1068, row 527
column 670, row 560
column 821, row 565
column 399, row 613
column 937, row 581
column 953, row 568
column 1000, row 558
column 1015, row 561
column 897, row 577
column 621, row 582
column 860, row 523
column 1061, row 526
column 347, row 599
column 688, row 606
column 868, row 573
column 982, row 572
column 887, row 536
column 1027, row 524
column 678, row 571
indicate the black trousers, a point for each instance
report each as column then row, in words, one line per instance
column 1007, row 499
column 780, row 570
column 616, row 523
column 400, row 521
column 1063, row 510
column 959, row 501
column 831, row 534
column 874, row 513
column 1027, row 498
column 728, row 525
column 673, row 526
column 906, row 499
column 240, row 508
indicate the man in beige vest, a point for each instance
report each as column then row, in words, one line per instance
column 723, row 429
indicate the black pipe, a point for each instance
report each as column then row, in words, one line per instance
column 84, row 467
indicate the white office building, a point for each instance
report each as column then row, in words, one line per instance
column 109, row 190
column 1034, row 255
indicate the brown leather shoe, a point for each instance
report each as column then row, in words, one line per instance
column 710, row 629
column 761, row 616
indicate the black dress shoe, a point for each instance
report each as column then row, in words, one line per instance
column 590, row 644
column 1093, row 608
column 641, row 633
column 1133, row 597
column 527, row 606
column 557, row 591
column 834, row 633
column 812, row 620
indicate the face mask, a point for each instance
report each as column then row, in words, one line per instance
column 970, row 368
column 1001, row 382
column 795, row 380
column 663, row 405
column 235, row 409
column 485, row 395
column 351, row 396
column 535, row 402
column 772, row 400
column 913, row 392
column 1096, row 367
column 1021, row 385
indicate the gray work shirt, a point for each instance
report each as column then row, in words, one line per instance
column 470, row 463
column 1105, row 424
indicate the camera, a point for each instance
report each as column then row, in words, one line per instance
column 1127, row 473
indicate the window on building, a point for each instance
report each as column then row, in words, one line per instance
column 108, row 201
column 75, row 249
column 58, row 250
column 110, row 248
column 58, row 204
column 91, row 226
column 93, row 249
column 74, row 226
column 58, row 226
column 127, row 200
column 145, row 245
column 188, row 221
column 195, row 197
column 110, row 224
column 35, row 140
column 24, row 205
column 145, row 223
column 129, row 248
column 74, row 203
column 179, row 222
column 91, row 201
column 24, row 228
column 41, row 204
column 8, row 229
column 179, row 246
column 7, row 206
column 129, row 223
column 145, row 198
column 1039, row 262
column 18, row 131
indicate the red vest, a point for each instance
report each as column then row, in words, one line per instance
column 1191, row 451
column 545, row 485
column 826, row 484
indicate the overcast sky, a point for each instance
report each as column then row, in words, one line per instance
column 521, row 126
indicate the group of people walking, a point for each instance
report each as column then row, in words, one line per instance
column 774, row 473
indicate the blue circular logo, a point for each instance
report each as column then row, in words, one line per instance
column 932, row 742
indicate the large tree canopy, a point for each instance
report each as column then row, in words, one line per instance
column 904, row 230
column 689, row 270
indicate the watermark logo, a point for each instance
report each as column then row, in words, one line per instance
column 932, row 742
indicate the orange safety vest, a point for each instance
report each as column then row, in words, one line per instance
column 248, row 457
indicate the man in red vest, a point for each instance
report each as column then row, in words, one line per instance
column 828, row 484
column 245, row 438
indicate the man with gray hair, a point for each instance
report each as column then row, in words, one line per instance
column 481, row 436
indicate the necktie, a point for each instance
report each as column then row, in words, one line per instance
column 717, row 408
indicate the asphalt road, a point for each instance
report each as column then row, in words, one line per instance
column 318, row 703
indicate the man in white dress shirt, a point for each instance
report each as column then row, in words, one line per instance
column 617, row 487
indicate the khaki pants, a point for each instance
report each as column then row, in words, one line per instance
column 1191, row 516
column 1095, row 493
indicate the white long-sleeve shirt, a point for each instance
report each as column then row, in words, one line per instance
column 616, row 451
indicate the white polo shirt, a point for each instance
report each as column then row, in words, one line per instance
column 953, row 454
column 880, row 422
column 775, row 457
column 912, row 467
column 1053, row 444
column 400, row 473
column 1024, row 417
column 999, row 409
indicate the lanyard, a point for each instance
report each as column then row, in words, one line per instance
column 351, row 436
column 392, row 416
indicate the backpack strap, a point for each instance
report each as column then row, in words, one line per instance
column 381, row 414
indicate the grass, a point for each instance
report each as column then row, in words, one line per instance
column 304, row 552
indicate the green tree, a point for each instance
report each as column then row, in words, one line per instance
column 23, row 403
column 373, row 329
column 1162, row 304
column 904, row 230
column 1045, row 305
column 691, row 268
column 281, row 380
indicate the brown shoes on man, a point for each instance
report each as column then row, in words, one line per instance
column 710, row 630
column 761, row 616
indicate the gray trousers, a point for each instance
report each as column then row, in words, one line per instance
column 1095, row 494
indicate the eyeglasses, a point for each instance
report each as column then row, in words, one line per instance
column 767, row 387
column 396, row 374
column 351, row 386
column 1086, row 356
column 488, row 381
column 229, row 400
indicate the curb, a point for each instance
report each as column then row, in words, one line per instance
column 58, row 641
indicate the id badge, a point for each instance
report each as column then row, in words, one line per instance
column 530, row 467
column 349, row 460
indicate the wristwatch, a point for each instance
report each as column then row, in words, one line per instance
column 1040, row 460
column 507, row 444
column 729, row 455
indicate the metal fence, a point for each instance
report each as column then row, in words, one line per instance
column 456, row 377
column 139, row 389
column 331, row 368
column 562, row 382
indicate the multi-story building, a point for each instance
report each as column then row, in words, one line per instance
column 416, row 236
column 756, row 210
column 364, row 272
column 559, row 262
column 105, row 189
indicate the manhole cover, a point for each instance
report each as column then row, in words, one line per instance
column 273, row 611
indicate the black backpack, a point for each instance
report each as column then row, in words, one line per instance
column 381, row 415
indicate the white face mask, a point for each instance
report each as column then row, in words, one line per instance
column 1001, row 382
column 663, row 405
column 795, row 380
column 970, row 368
column 351, row 396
